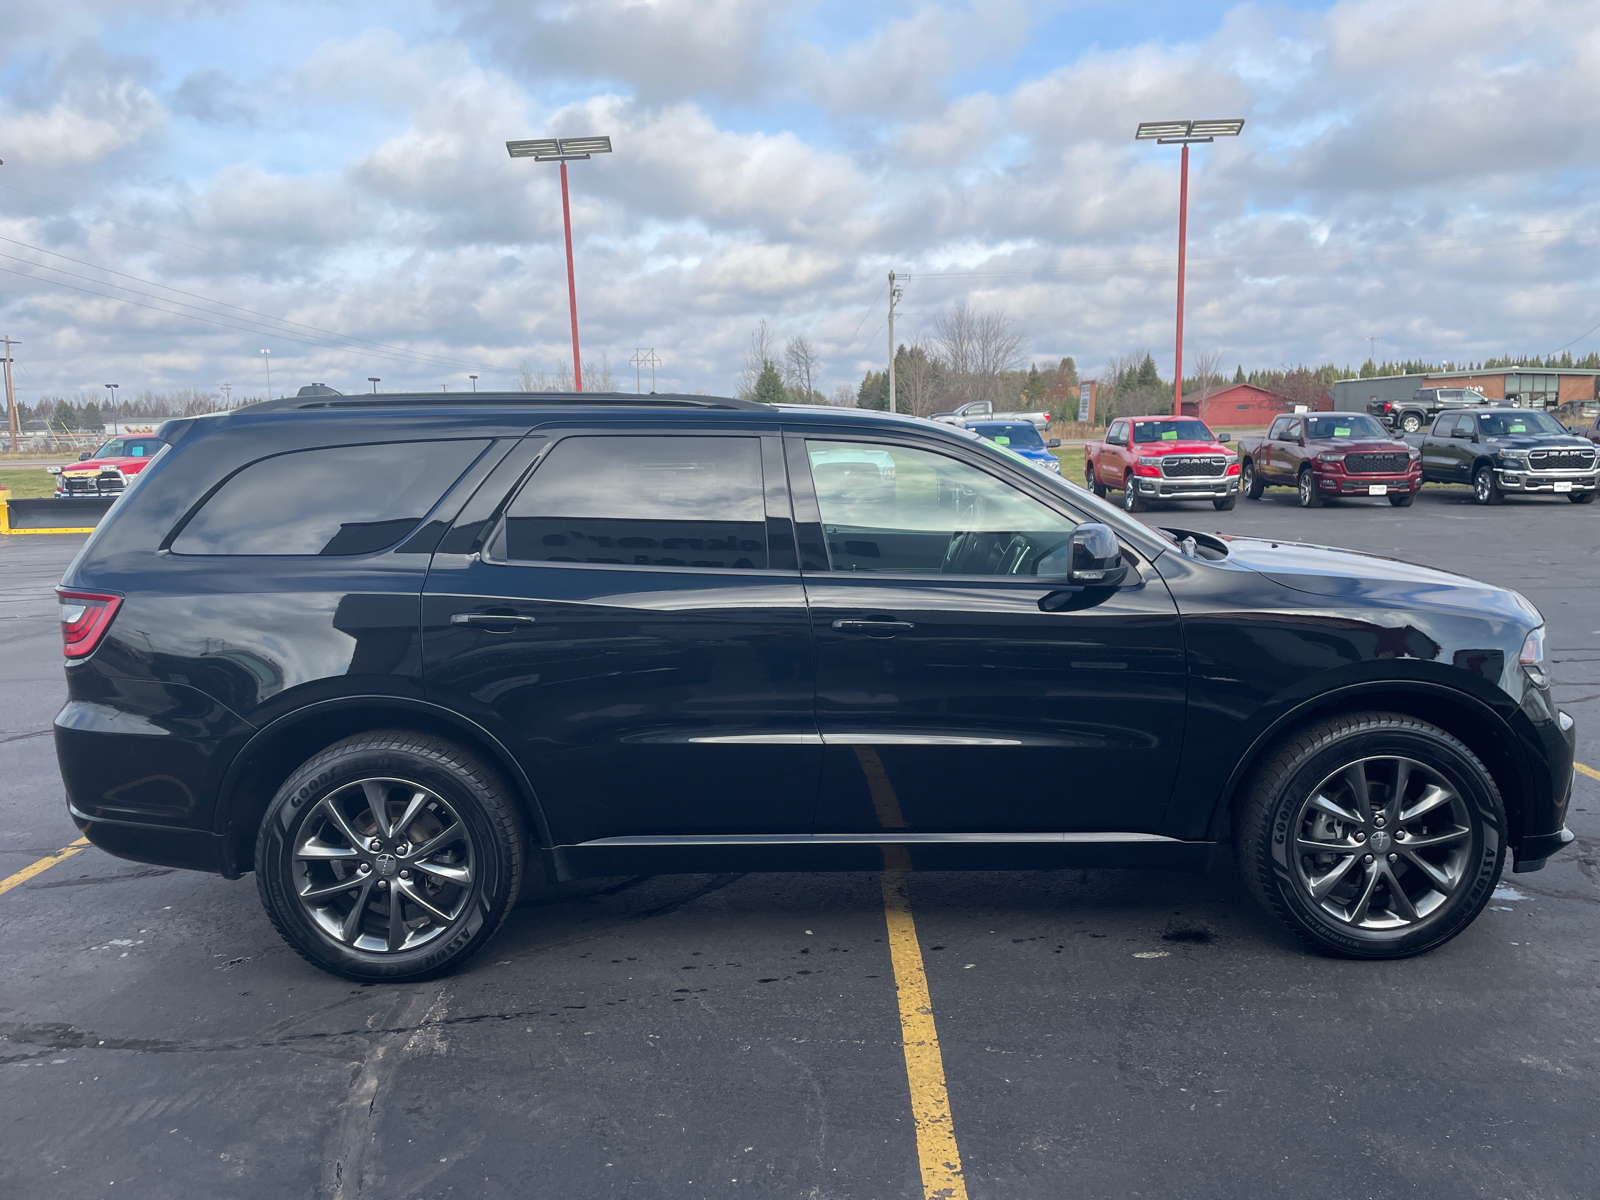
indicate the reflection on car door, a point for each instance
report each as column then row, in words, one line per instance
column 950, row 701
column 635, row 631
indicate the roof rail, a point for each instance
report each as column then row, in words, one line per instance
column 540, row 399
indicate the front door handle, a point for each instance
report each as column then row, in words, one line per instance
column 490, row 619
column 873, row 628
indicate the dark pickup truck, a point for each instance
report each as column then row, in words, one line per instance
column 1413, row 415
column 1502, row 450
column 1326, row 455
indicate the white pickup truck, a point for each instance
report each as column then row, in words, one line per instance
column 983, row 410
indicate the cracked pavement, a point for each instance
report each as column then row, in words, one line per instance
column 1104, row 1034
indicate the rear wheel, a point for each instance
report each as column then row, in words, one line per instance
column 390, row 856
column 1131, row 500
column 1402, row 499
column 1308, row 494
column 1374, row 835
column 1250, row 483
column 1485, row 487
column 1091, row 481
column 1411, row 422
column 1581, row 497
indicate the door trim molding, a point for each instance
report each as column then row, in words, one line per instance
column 886, row 839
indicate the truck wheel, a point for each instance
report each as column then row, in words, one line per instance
column 1226, row 503
column 1402, row 500
column 1485, row 487
column 1309, row 496
column 1372, row 835
column 390, row 857
column 1581, row 497
column 1249, row 482
column 1092, row 481
column 1411, row 422
column 1131, row 500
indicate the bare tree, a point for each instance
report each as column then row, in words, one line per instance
column 527, row 379
column 917, row 379
column 800, row 364
column 1208, row 371
column 601, row 380
column 844, row 396
column 974, row 348
column 563, row 379
column 761, row 355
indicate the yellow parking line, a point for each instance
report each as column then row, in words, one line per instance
column 1589, row 771
column 930, row 1100
column 44, row 864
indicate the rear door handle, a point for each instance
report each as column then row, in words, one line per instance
column 872, row 628
column 490, row 619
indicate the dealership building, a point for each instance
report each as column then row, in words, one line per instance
column 1529, row 387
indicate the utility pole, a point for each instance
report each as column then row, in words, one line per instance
column 266, row 357
column 11, row 399
column 643, row 357
column 1372, row 348
column 894, row 294
column 227, row 395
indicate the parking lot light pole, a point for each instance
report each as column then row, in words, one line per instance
column 474, row 379
column 1185, row 134
column 112, row 388
column 374, row 380
column 266, row 357
column 563, row 151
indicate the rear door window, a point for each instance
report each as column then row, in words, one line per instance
column 642, row 502
column 338, row 500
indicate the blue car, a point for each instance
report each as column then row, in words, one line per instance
column 1023, row 440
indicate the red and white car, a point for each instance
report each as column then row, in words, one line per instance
column 106, row 471
column 1162, row 458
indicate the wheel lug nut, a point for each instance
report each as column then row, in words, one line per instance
column 1394, row 858
column 374, row 844
column 403, row 849
column 407, row 874
column 1361, row 837
column 364, row 868
column 383, row 884
column 1367, row 859
column 1399, row 835
column 1378, row 821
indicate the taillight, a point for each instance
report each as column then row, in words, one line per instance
column 85, row 617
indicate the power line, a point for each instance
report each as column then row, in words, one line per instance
column 864, row 317
column 426, row 358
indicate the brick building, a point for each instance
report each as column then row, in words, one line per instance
column 1238, row 404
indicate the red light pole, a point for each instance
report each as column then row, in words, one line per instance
column 1184, row 133
column 563, row 151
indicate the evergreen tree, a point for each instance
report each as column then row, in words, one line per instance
column 90, row 418
column 1238, row 374
column 1148, row 375
column 1069, row 372
column 769, row 386
column 874, row 391
column 1033, row 388
column 64, row 417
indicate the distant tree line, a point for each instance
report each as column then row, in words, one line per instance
column 85, row 412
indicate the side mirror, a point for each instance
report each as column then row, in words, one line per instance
column 1223, row 437
column 1096, row 557
column 1052, row 443
column 87, row 454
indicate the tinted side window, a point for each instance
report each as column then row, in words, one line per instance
column 642, row 501
column 896, row 510
column 1464, row 426
column 337, row 500
column 143, row 447
column 1278, row 426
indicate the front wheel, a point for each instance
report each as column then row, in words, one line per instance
column 1402, row 499
column 1581, row 497
column 1308, row 494
column 1250, row 482
column 1485, row 487
column 390, row 857
column 1226, row 503
column 1374, row 835
column 1131, row 500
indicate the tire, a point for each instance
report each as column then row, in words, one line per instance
column 1391, row 907
column 1581, row 497
column 1225, row 504
column 316, row 832
column 1485, row 487
column 1402, row 500
column 1307, row 488
column 1411, row 422
column 1131, row 500
column 1250, row 483
column 1091, row 481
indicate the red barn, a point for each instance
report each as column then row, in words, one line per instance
column 1237, row 404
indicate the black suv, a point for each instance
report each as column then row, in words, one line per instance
column 1509, row 450
column 400, row 655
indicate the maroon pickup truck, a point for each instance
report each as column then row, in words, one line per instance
column 1326, row 455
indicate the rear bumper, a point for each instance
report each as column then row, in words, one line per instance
column 162, row 845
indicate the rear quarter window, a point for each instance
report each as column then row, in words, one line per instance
column 337, row 500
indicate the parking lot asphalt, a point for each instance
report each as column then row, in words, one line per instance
column 1103, row 1034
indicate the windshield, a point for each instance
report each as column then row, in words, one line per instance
column 1172, row 431
column 1330, row 428
column 1512, row 424
column 1016, row 435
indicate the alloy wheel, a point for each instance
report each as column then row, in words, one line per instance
column 1382, row 844
column 383, row 865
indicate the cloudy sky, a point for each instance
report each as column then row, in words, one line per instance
column 187, row 182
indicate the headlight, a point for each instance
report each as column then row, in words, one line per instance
column 54, row 470
column 1053, row 465
column 1329, row 456
column 1149, row 460
column 1515, row 455
column 1532, row 658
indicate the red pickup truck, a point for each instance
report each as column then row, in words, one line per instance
column 1324, row 455
column 106, row 471
column 1162, row 458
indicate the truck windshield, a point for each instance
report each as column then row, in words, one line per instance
column 1512, row 424
column 1015, row 435
column 1333, row 428
column 1172, row 431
